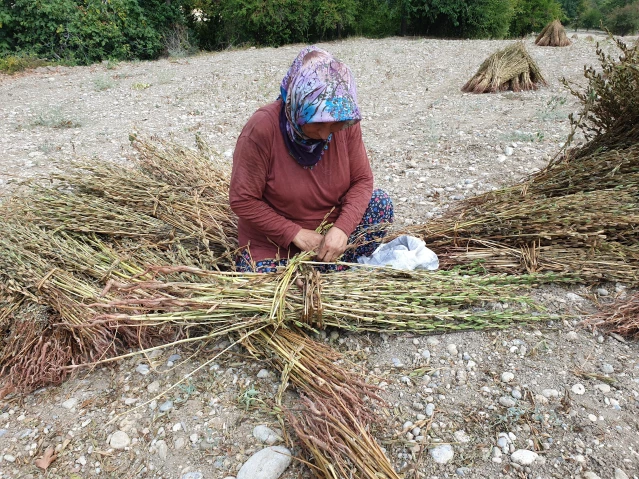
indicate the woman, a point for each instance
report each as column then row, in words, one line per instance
column 300, row 162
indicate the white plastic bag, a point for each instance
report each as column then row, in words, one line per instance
column 404, row 252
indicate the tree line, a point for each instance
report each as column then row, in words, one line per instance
column 86, row 31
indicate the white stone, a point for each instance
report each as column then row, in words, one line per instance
column 509, row 151
column 523, row 457
column 507, row 401
column 70, row 403
column 578, row 389
column 9, row 458
column 441, row 454
column 572, row 336
column 507, row 377
column 591, row 475
column 592, row 417
column 269, row 463
column 162, row 448
column 574, row 297
column 154, row 387
column 120, row 440
column 461, row 436
column 179, row 443
column 263, row 374
column 452, row 349
column 550, row 393
column 266, row 435
column 620, row 474
column 82, row 460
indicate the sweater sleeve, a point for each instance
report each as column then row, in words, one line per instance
column 251, row 164
column 358, row 196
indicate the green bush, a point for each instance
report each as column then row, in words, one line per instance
column 85, row 31
column 623, row 20
column 533, row 15
column 376, row 19
column 14, row 63
column 590, row 19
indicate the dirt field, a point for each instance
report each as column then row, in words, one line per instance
column 573, row 397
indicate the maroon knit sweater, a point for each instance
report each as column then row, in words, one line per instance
column 274, row 197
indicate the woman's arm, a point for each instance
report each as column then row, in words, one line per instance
column 358, row 196
column 354, row 202
column 248, row 181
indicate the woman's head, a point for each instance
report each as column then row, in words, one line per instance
column 319, row 89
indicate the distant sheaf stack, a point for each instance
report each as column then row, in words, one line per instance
column 553, row 35
column 509, row 69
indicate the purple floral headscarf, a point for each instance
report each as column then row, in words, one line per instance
column 316, row 88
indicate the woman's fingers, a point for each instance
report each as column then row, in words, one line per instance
column 333, row 245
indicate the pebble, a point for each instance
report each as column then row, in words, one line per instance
column 426, row 354
column 592, row 417
column 516, row 393
column 154, row 387
column 173, row 358
column 442, row 454
column 263, row 374
column 461, row 436
column 591, row 475
column 9, row 458
column 70, row 403
column 602, row 292
column 179, row 443
column 119, row 440
column 193, row 475
column 507, row 401
column 269, row 463
column 143, row 369
column 572, row 336
column 604, row 388
column 452, row 349
column 82, row 460
column 523, row 457
column 509, row 151
column 550, row 393
column 574, row 297
column 266, row 435
column 430, row 409
column 166, row 406
column 507, row 377
column 432, row 341
column 607, row 368
column 578, row 389
column 620, row 474
column 397, row 363
column 162, row 449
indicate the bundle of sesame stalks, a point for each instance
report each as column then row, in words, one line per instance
column 143, row 201
column 622, row 317
column 359, row 300
column 509, row 69
column 334, row 417
column 580, row 214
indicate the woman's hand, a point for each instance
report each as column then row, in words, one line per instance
column 308, row 240
column 332, row 246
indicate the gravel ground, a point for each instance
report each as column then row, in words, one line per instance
column 565, row 396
